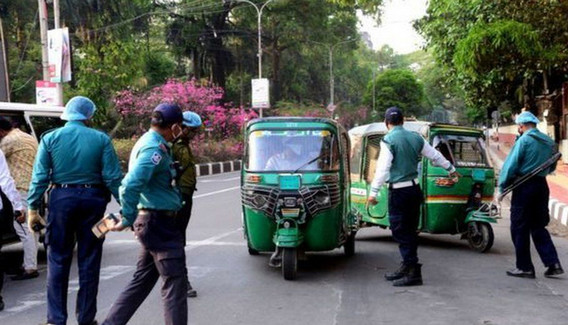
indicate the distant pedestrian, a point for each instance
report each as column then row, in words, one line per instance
column 398, row 165
column 20, row 149
column 82, row 168
column 10, row 206
column 150, row 201
column 186, row 179
column 529, row 204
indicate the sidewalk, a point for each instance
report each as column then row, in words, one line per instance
column 558, row 182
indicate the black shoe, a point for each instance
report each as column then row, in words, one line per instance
column 191, row 293
column 553, row 270
column 398, row 274
column 276, row 258
column 413, row 277
column 1, row 304
column 25, row 276
column 521, row 274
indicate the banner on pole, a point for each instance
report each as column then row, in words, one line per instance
column 46, row 93
column 59, row 55
column 260, row 93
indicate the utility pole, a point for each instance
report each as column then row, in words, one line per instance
column 4, row 77
column 42, row 6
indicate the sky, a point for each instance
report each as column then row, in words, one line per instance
column 396, row 28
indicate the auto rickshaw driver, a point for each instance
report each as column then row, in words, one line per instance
column 286, row 160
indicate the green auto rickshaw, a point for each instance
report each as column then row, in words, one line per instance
column 451, row 206
column 295, row 188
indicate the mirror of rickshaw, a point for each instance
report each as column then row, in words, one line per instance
column 462, row 151
column 292, row 151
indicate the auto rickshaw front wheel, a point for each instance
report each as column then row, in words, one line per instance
column 252, row 251
column 480, row 236
column 290, row 263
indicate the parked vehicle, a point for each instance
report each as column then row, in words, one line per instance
column 33, row 119
column 450, row 206
column 295, row 188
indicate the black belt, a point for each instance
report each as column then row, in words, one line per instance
column 98, row 186
column 165, row 213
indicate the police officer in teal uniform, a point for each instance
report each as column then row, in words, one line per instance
column 150, row 200
column 398, row 164
column 529, row 204
column 82, row 168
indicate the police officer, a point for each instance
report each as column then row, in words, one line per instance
column 83, row 169
column 150, row 186
column 187, row 179
column 398, row 164
column 529, row 205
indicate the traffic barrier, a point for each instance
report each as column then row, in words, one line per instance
column 217, row 167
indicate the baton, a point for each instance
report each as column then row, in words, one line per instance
column 551, row 161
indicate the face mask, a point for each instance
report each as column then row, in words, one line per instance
column 296, row 149
column 176, row 136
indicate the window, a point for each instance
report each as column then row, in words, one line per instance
column 462, row 151
column 292, row 150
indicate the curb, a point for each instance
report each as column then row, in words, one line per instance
column 557, row 210
column 217, row 167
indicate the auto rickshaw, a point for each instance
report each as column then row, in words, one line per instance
column 450, row 206
column 295, row 188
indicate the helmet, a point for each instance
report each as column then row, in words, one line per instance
column 166, row 114
column 191, row 119
column 526, row 117
column 79, row 108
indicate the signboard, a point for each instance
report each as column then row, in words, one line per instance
column 59, row 55
column 46, row 93
column 260, row 93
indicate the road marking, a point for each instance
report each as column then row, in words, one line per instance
column 216, row 192
column 37, row 299
column 220, row 180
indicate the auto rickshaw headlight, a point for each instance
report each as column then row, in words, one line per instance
column 254, row 178
column 290, row 202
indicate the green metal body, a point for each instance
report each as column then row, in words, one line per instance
column 324, row 230
column 445, row 209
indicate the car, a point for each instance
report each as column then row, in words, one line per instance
column 33, row 119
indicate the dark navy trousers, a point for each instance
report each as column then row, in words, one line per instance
column 72, row 214
column 529, row 217
column 162, row 255
column 404, row 216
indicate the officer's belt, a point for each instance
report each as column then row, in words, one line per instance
column 98, row 186
column 165, row 213
column 394, row 186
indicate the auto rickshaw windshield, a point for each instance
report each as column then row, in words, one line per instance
column 462, row 151
column 292, row 150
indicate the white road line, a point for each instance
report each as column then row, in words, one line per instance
column 216, row 192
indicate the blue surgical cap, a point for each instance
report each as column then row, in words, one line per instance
column 79, row 108
column 526, row 117
column 191, row 119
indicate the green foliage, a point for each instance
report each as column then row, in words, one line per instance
column 397, row 87
column 104, row 70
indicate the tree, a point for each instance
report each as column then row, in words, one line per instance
column 397, row 87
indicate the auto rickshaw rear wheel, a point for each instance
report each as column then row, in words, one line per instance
column 349, row 246
column 289, row 263
column 480, row 236
column 252, row 251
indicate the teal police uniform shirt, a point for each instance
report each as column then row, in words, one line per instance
column 149, row 183
column 405, row 147
column 74, row 154
column 531, row 150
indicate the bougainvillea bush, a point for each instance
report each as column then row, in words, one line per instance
column 223, row 120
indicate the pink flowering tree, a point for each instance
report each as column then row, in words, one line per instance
column 222, row 120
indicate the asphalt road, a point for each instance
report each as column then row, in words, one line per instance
column 460, row 286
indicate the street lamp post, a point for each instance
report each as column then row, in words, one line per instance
column 259, row 28
column 330, row 48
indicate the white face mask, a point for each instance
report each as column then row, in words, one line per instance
column 179, row 133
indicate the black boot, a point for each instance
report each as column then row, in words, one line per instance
column 553, row 270
column 412, row 278
column 1, row 304
column 398, row 274
column 191, row 293
column 276, row 258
